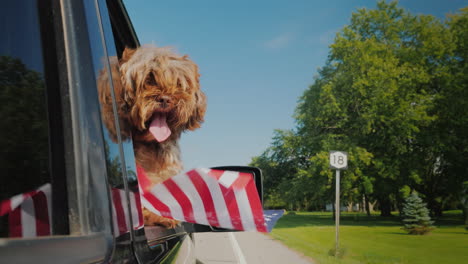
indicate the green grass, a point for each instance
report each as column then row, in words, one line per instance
column 373, row 239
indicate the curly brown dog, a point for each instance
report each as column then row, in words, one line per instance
column 158, row 98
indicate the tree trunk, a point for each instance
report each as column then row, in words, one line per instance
column 366, row 203
column 385, row 207
column 363, row 207
column 464, row 202
column 465, row 214
column 333, row 210
column 372, row 205
column 435, row 208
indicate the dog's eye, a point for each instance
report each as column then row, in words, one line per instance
column 151, row 80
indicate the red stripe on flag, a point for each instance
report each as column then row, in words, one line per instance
column 233, row 208
column 182, row 199
column 158, row 205
column 41, row 214
column 119, row 211
column 255, row 205
column 138, row 208
column 14, row 222
column 216, row 174
column 241, row 181
column 143, row 179
column 205, row 195
column 5, row 207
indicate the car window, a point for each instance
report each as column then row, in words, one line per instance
column 61, row 170
column 24, row 129
column 43, row 191
column 151, row 242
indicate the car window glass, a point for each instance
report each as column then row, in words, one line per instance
column 24, row 135
column 121, row 220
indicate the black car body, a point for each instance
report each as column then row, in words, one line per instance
column 51, row 55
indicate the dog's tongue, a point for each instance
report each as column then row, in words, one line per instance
column 159, row 128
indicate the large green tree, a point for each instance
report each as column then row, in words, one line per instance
column 376, row 92
column 452, row 125
column 393, row 94
column 24, row 149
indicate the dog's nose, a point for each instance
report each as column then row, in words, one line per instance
column 164, row 101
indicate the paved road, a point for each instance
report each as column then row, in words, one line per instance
column 243, row 247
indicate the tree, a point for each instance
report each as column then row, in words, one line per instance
column 377, row 92
column 280, row 163
column 393, row 93
column 453, row 112
column 464, row 202
column 24, row 140
column 416, row 217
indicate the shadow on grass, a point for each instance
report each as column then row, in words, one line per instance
column 326, row 220
column 448, row 220
column 355, row 219
column 396, row 233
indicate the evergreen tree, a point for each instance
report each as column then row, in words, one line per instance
column 416, row 216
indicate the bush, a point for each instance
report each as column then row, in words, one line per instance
column 416, row 217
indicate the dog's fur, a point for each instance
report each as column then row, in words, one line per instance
column 155, row 81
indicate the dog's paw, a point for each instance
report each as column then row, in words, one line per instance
column 168, row 223
column 152, row 219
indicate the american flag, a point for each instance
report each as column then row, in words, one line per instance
column 225, row 199
column 29, row 214
column 120, row 214
column 271, row 217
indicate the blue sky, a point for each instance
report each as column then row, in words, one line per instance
column 256, row 59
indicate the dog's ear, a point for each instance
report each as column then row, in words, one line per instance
column 128, row 89
column 105, row 100
column 127, row 54
column 198, row 115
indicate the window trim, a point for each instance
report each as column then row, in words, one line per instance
column 56, row 88
column 72, row 249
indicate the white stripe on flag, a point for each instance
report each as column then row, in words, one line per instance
column 163, row 194
column 228, row 178
column 123, row 201
column 218, row 199
column 28, row 218
column 186, row 185
column 47, row 190
column 16, row 201
column 115, row 221
column 133, row 204
column 145, row 203
column 245, row 210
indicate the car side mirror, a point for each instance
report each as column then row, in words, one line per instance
column 254, row 171
column 258, row 179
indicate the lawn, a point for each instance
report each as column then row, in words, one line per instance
column 373, row 239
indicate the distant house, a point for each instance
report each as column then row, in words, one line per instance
column 344, row 208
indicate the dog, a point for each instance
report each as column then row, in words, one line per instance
column 158, row 98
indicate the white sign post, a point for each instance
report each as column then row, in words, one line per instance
column 338, row 161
